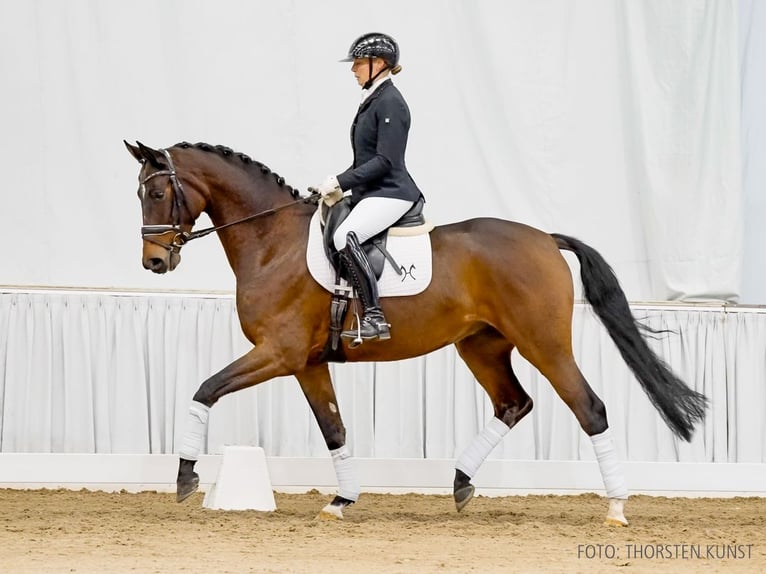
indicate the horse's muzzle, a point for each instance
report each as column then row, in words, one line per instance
column 156, row 265
column 161, row 262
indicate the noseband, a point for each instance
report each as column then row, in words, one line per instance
column 181, row 237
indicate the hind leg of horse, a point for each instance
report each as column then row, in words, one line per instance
column 255, row 367
column 590, row 412
column 488, row 356
column 317, row 387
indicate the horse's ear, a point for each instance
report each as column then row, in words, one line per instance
column 154, row 157
column 134, row 151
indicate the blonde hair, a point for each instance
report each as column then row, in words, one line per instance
column 396, row 69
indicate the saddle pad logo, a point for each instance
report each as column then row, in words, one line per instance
column 411, row 253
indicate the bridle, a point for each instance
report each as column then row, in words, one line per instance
column 149, row 232
column 181, row 237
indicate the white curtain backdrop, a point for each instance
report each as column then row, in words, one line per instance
column 612, row 120
column 115, row 373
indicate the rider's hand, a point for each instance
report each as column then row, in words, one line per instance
column 330, row 191
column 328, row 186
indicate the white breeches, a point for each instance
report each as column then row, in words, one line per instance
column 369, row 217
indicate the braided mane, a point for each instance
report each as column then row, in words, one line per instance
column 229, row 153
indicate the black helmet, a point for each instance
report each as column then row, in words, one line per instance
column 374, row 45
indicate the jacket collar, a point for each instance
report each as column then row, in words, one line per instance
column 366, row 93
column 382, row 87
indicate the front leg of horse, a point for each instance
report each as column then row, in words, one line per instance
column 317, row 387
column 348, row 485
column 255, row 367
column 187, row 481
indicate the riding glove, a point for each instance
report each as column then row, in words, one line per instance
column 330, row 191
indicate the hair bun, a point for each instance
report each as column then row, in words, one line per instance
column 396, row 69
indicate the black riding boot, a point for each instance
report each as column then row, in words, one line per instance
column 373, row 324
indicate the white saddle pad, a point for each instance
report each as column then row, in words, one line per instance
column 412, row 253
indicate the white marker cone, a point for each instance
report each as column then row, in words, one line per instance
column 243, row 481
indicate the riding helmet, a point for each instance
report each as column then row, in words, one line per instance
column 374, row 45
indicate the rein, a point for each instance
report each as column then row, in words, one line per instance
column 181, row 237
column 184, row 237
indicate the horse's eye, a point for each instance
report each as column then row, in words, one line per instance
column 157, row 194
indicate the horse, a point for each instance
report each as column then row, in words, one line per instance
column 496, row 286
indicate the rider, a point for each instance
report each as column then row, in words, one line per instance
column 382, row 189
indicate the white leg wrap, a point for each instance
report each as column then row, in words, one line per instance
column 614, row 478
column 196, row 431
column 348, row 484
column 472, row 457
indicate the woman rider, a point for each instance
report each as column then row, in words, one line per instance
column 382, row 189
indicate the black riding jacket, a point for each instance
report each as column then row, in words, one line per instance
column 379, row 140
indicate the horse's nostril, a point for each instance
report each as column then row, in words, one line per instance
column 156, row 264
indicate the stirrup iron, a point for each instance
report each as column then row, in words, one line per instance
column 358, row 339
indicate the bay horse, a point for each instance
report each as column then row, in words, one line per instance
column 496, row 286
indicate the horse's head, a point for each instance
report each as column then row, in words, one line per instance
column 168, row 211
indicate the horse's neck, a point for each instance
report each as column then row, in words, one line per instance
column 251, row 246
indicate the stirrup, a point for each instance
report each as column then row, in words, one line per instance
column 382, row 332
column 355, row 335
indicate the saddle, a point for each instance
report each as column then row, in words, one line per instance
column 375, row 247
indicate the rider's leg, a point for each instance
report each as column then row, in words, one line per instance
column 373, row 324
column 368, row 218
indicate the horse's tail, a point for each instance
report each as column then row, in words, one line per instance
column 680, row 406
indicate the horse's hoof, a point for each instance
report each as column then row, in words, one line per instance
column 334, row 510
column 615, row 516
column 463, row 496
column 331, row 512
column 186, row 488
